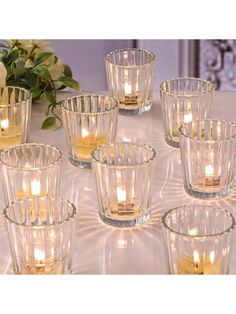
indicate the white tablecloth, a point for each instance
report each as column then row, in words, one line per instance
column 102, row 249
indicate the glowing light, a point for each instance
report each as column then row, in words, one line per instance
column 121, row 194
column 188, row 117
column 35, row 187
column 84, row 133
column 4, row 124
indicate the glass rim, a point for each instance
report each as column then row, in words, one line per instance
column 111, row 99
column 226, row 212
column 19, row 103
column 20, row 201
column 148, row 147
column 54, row 148
column 181, row 132
column 211, row 88
column 130, row 49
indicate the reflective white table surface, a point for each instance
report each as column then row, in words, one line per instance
column 103, row 249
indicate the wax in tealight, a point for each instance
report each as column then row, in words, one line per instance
column 198, row 265
column 86, row 143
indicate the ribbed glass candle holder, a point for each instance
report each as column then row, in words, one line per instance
column 198, row 240
column 184, row 100
column 208, row 157
column 89, row 121
column 40, row 232
column 31, row 170
column 15, row 112
column 130, row 75
column 123, row 174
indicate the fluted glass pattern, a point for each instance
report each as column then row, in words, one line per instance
column 184, row 100
column 89, row 121
column 130, row 75
column 123, row 174
column 40, row 232
column 208, row 152
column 198, row 240
column 15, row 113
column 31, row 170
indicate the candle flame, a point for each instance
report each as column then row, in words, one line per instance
column 4, row 124
column 212, row 257
column 35, row 187
column 84, row 133
column 39, row 255
column 209, row 170
column 128, row 88
column 121, row 194
column 188, row 117
column 196, row 258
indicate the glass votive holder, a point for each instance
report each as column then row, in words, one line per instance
column 31, row 170
column 183, row 100
column 89, row 121
column 130, row 75
column 40, row 232
column 123, row 174
column 198, row 239
column 15, row 112
column 208, row 154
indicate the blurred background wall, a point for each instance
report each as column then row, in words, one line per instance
column 213, row 60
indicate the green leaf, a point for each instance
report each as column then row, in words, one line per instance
column 67, row 70
column 50, row 97
column 29, row 79
column 70, row 82
column 41, row 57
column 11, row 56
column 48, row 123
column 42, row 71
column 36, row 92
column 3, row 54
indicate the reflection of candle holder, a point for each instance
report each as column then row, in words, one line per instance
column 15, row 109
column 208, row 153
column 31, row 170
column 123, row 173
column 130, row 74
column 198, row 239
column 184, row 100
column 41, row 244
column 89, row 121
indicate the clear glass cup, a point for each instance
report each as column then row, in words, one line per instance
column 31, row 170
column 208, row 157
column 15, row 113
column 183, row 100
column 89, row 121
column 198, row 239
column 130, row 76
column 40, row 232
column 123, row 174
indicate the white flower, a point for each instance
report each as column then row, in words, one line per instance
column 3, row 74
column 28, row 44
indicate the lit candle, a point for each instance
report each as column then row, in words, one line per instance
column 125, row 205
column 10, row 135
column 86, row 143
column 199, row 265
column 39, row 258
column 210, row 178
column 132, row 97
column 4, row 124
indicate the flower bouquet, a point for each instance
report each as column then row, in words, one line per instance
column 33, row 65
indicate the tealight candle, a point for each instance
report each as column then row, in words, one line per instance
column 198, row 265
column 198, row 239
column 89, row 121
column 15, row 103
column 125, row 206
column 44, row 244
column 210, row 178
